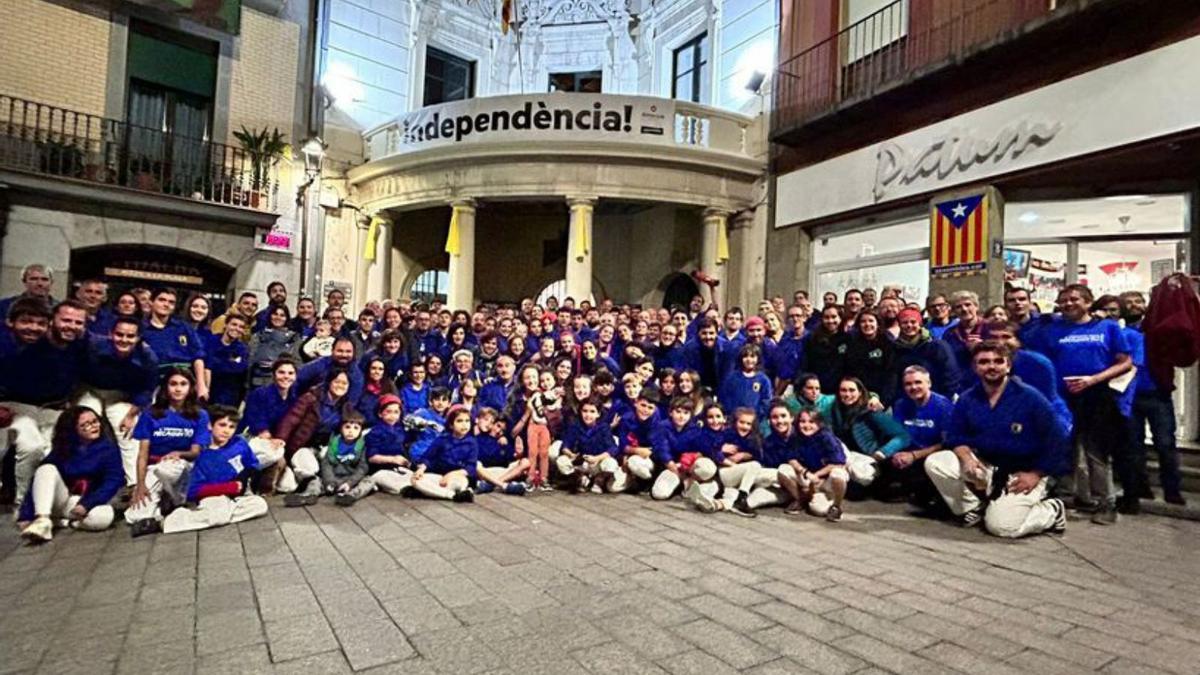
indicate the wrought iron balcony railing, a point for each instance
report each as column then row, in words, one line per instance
column 46, row 140
column 884, row 49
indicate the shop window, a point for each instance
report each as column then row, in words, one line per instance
column 872, row 25
column 888, row 239
column 582, row 83
column 690, row 71
column 911, row 276
column 431, row 286
column 447, row 77
column 1121, row 216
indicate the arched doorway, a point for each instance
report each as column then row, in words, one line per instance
column 678, row 290
column 430, row 286
column 129, row 266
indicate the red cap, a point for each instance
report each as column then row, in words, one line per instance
column 755, row 321
column 909, row 312
column 388, row 399
column 549, row 315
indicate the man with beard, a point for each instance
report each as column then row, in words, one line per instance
column 39, row 370
column 889, row 313
column 276, row 297
column 1006, row 443
column 342, row 357
column 707, row 355
column 1153, row 405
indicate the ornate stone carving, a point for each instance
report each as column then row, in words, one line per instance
column 566, row 12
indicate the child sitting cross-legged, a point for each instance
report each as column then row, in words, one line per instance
column 216, row 493
column 452, row 459
column 499, row 468
column 818, row 475
column 343, row 467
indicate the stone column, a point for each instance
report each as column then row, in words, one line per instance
column 715, row 221
column 461, row 294
column 379, row 274
column 745, row 261
column 580, row 247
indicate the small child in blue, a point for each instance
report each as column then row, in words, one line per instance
column 499, row 468
column 588, row 456
column 343, row 468
column 718, row 480
column 748, row 387
column 215, row 483
column 426, row 424
column 387, row 459
column 818, row 475
column 415, row 393
column 452, row 460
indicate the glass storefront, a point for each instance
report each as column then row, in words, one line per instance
column 1113, row 244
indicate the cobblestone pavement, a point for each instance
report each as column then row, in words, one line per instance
column 601, row 584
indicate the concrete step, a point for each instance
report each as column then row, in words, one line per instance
column 1160, row 508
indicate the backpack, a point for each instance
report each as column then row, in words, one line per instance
column 1172, row 328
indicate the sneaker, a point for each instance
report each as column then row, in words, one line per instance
column 1086, row 506
column 546, row 487
column 971, row 518
column 465, row 496
column 1129, row 505
column 834, row 514
column 1174, row 498
column 484, row 488
column 516, row 489
column 1106, row 515
column 145, row 526
column 742, row 508
column 38, row 531
column 295, row 500
column 1060, row 516
column 344, row 500
column 409, row 492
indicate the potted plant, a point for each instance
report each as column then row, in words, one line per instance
column 265, row 149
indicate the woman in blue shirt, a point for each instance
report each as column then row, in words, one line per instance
column 1087, row 353
column 170, row 435
column 77, row 480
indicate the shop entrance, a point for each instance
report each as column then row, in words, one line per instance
column 127, row 267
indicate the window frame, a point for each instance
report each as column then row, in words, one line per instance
column 578, row 77
column 698, row 70
column 447, row 57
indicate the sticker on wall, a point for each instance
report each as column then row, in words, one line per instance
column 958, row 236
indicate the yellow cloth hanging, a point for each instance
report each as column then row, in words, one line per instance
column 579, row 219
column 453, row 243
column 722, row 243
column 372, row 236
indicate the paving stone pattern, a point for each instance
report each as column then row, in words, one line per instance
column 601, row 584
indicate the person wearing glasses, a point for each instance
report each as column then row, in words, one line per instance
column 938, row 310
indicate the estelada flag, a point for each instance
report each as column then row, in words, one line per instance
column 506, row 15
column 958, row 235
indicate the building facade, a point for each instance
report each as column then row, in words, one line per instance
column 1092, row 143
column 598, row 148
column 118, row 154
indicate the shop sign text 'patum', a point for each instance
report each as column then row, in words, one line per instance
column 956, row 152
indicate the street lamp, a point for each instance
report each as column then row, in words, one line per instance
column 314, row 156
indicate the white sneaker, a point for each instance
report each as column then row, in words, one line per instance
column 40, row 531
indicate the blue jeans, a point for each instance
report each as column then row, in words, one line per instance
column 1158, row 409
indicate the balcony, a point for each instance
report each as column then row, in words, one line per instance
column 893, row 47
column 65, row 153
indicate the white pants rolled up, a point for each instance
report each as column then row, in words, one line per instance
column 392, row 481
column 665, row 485
column 215, row 512
column 52, row 498
column 29, row 435
column 305, row 464
column 430, row 486
column 863, row 469
column 640, row 467
column 159, row 477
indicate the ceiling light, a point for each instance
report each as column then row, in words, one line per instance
column 1028, row 217
column 1126, row 198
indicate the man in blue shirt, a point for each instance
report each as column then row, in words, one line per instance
column 925, row 414
column 174, row 343
column 1006, row 445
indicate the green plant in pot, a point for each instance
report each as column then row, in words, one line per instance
column 265, row 149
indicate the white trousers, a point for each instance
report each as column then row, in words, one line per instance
column 266, row 451
column 766, row 490
column 737, row 478
column 391, row 481
column 165, row 475
column 111, row 404
column 640, row 467
column 566, row 467
column 30, row 432
column 822, row 492
column 52, row 498
column 863, row 469
column 215, row 512
column 430, row 487
column 1011, row 515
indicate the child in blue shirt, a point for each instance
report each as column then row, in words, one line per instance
column 748, row 387
column 387, row 459
column 498, row 464
column 588, row 456
column 816, row 475
column 425, row 425
column 343, row 467
column 452, row 460
column 672, row 440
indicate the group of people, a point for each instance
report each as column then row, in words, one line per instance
column 150, row 409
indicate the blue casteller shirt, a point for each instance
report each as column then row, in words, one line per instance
column 742, row 391
column 228, row 365
column 779, row 450
column 98, row 463
column 172, row 432
column 41, row 372
column 926, row 424
column 220, row 465
column 423, row 427
column 1082, row 348
column 448, row 453
column 135, row 375
column 386, row 440
column 669, row 443
column 316, row 372
column 492, row 453
column 584, row 440
column 789, row 357
column 414, row 398
column 1021, row 433
column 174, row 343
column 632, row 432
column 819, row 450
column 750, row 443
column 265, row 408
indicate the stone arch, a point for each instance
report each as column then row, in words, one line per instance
column 129, row 265
column 670, row 290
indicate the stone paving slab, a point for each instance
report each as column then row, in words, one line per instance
column 601, row 584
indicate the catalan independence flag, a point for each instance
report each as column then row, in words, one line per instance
column 958, row 235
column 507, row 14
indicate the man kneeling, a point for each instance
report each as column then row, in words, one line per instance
column 1007, row 443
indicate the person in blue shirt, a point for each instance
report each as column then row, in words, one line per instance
column 669, row 351
column 451, row 461
column 387, row 458
column 415, row 392
column 1004, row 445
column 392, row 352
column 937, row 309
column 1028, row 366
column 171, row 434
column 815, row 476
column 726, row 463
column 77, row 480
column 871, row 438
column 342, row 357
column 1152, row 405
column 119, row 380
column 748, row 387
column 671, row 441
column 925, row 414
column 216, row 483
column 500, row 387
column 267, row 405
column 789, row 355
column 426, row 424
column 916, row 346
column 588, row 455
column 1087, row 353
column 707, row 355
column 376, row 386
column 174, row 343
column 636, row 434
column 499, row 466
column 227, row 362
